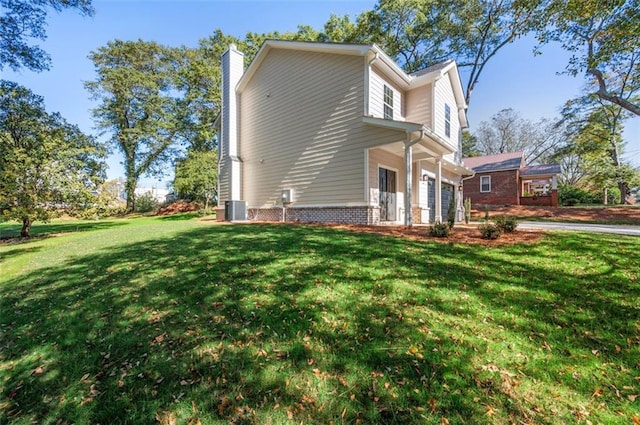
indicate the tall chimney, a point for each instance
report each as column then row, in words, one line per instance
column 232, row 70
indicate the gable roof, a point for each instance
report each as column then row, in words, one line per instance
column 373, row 53
column 539, row 170
column 499, row 162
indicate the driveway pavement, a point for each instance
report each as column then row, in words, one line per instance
column 582, row 227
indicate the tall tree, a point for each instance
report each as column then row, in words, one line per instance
column 419, row 33
column 141, row 105
column 25, row 20
column 603, row 38
column 508, row 131
column 47, row 165
column 594, row 134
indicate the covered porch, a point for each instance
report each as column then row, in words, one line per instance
column 415, row 178
column 539, row 185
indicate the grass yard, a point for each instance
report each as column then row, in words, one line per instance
column 172, row 321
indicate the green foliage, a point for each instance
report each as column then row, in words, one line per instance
column 146, row 203
column 451, row 211
column 47, row 166
column 155, row 320
column 570, row 196
column 23, row 20
column 603, row 43
column 440, row 230
column 196, row 177
column 506, row 224
column 469, row 145
column 419, row 33
column 489, row 230
column 169, row 97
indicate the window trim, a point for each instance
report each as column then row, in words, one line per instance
column 387, row 102
column 447, row 120
column 488, row 179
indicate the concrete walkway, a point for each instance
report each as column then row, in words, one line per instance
column 582, row 227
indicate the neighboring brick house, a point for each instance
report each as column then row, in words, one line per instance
column 333, row 132
column 505, row 179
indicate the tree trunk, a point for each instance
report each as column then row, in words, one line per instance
column 26, row 228
column 624, row 192
column 130, row 189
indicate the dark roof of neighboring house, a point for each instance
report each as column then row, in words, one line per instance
column 432, row 68
column 499, row 162
column 538, row 170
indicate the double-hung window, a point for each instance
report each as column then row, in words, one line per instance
column 388, row 103
column 447, row 120
column 485, row 184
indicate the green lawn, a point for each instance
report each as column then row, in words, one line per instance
column 169, row 320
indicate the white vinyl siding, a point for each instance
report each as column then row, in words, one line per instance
column 301, row 128
column 419, row 104
column 444, row 96
column 377, row 83
column 485, row 184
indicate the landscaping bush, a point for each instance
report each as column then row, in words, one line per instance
column 569, row 196
column 489, row 231
column 506, row 223
column 451, row 213
column 146, row 203
column 440, row 230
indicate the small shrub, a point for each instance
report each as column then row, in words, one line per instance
column 505, row 223
column 146, row 203
column 451, row 213
column 440, row 230
column 489, row 231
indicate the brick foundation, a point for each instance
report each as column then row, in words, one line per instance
column 343, row 215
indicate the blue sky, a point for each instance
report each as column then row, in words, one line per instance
column 515, row 78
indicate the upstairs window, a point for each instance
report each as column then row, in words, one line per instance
column 388, row 103
column 447, row 121
column 485, row 184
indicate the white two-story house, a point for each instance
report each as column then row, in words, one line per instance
column 323, row 132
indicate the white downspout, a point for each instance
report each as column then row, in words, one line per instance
column 408, row 171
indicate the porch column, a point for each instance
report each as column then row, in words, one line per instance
column 438, row 212
column 408, row 172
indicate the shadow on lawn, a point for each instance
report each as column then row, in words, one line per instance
column 271, row 323
column 11, row 233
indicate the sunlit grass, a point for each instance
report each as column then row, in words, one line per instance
column 154, row 321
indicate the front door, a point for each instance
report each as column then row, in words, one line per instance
column 387, row 186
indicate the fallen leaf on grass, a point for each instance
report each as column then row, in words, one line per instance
column 165, row 418
column 597, row 393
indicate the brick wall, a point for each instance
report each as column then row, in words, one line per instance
column 343, row 215
column 504, row 189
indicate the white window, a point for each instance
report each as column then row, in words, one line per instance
column 388, row 103
column 485, row 183
column 447, row 121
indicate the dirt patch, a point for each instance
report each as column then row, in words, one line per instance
column 179, row 207
column 464, row 234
